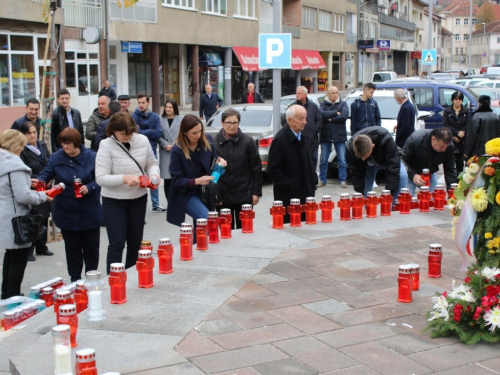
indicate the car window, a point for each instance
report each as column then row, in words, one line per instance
column 252, row 118
column 423, row 97
column 321, row 99
column 388, row 107
column 377, row 78
column 445, row 97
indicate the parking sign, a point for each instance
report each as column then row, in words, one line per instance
column 275, row 51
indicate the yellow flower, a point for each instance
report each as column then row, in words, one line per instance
column 488, row 236
column 497, row 198
column 479, row 200
column 489, row 245
column 493, row 147
column 491, row 252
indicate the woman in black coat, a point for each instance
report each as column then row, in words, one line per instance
column 242, row 181
column 457, row 119
column 484, row 127
column 36, row 156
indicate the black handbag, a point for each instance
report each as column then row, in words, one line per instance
column 211, row 194
column 27, row 228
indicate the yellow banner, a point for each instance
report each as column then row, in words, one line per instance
column 23, row 75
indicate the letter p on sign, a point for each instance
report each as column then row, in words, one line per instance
column 275, row 51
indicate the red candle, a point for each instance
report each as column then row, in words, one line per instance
column 58, row 282
column 48, row 296
column 415, row 276
column 310, row 208
column 85, row 362
column 201, row 234
column 405, row 284
column 67, row 315
column 357, row 206
column 371, row 204
column 77, row 184
column 146, row 245
column 213, row 227
column 8, row 320
column 80, row 297
column 165, row 251
column 326, row 207
column 451, row 192
column 424, row 198
column 145, row 264
column 434, row 259
column 40, row 186
column 56, row 190
column 295, row 211
column 63, row 297
column 404, row 201
column 385, row 203
column 225, row 222
column 345, row 206
column 117, row 282
column 189, row 226
column 143, row 181
column 414, row 203
column 185, row 240
column 247, row 214
column 278, row 211
column 426, row 176
column 439, row 196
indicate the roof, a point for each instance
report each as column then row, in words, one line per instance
column 491, row 28
column 445, row 31
column 461, row 8
column 496, row 10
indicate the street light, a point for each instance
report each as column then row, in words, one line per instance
column 484, row 40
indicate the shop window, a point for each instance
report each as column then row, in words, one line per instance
column 335, row 68
column 4, row 42
column 214, row 6
column 139, row 72
column 93, row 56
column 69, row 55
column 308, row 18
column 244, row 8
column 70, row 75
column 4, row 80
column 112, row 52
column 41, row 42
column 23, row 78
column 325, row 20
column 21, row 43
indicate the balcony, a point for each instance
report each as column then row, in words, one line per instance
column 396, row 22
column 350, row 37
column 292, row 29
column 83, row 13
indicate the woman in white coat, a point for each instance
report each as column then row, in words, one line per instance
column 171, row 123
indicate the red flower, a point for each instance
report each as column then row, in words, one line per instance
column 445, row 294
column 467, row 279
column 492, row 291
column 477, row 314
column 457, row 310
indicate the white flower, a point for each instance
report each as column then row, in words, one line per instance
column 440, row 308
column 492, row 318
column 451, row 207
column 460, row 204
column 490, row 273
column 468, row 178
column 462, row 293
column 474, row 168
column 454, row 222
column 467, row 170
column 487, row 164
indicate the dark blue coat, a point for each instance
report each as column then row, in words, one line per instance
column 333, row 129
column 71, row 213
column 149, row 125
column 364, row 114
column 406, row 123
column 20, row 121
column 182, row 171
column 208, row 105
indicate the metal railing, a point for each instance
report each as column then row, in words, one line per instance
column 82, row 13
column 292, row 29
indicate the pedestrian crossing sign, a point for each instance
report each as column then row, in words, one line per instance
column 429, row 57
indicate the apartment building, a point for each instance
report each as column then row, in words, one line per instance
column 486, row 44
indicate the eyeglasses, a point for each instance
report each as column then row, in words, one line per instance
column 231, row 123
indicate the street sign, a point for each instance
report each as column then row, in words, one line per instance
column 429, row 57
column 131, row 47
column 275, row 51
column 384, row 44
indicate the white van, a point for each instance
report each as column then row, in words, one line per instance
column 379, row 77
column 493, row 70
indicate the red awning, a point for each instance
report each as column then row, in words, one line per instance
column 307, row 59
column 248, row 58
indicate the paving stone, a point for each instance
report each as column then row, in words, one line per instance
column 315, row 354
column 195, row 344
column 350, row 296
column 377, row 235
column 455, row 355
column 266, row 278
column 474, row 368
column 288, row 299
column 416, row 324
column 355, row 370
column 246, row 315
column 304, row 319
column 419, row 305
column 235, row 359
column 252, row 290
column 290, row 270
column 327, row 307
column 365, row 241
column 256, row 336
column 359, row 334
column 298, row 285
column 368, row 315
column 428, row 290
column 290, row 255
column 180, row 369
column 383, row 360
column 217, row 327
column 407, row 344
column 491, row 364
column 373, row 285
column 339, row 273
column 322, row 260
column 240, row 371
column 305, row 245
column 288, row 366
column 357, row 264
column 378, row 257
column 337, row 247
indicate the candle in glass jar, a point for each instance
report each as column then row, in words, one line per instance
column 371, row 204
column 277, row 211
column 451, row 191
column 67, row 315
column 118, row 283
column 85, row 362
column 225, row 222
column 310, row 208
column 426, row 176
column 62, row 349
column 405, row 284
column 345, row 206
column 414, row 203
column 47, row 296
column 8, row 320
column 385, row 203
column 77, row 184
column 201, row 234
column 40, row 186
column 404, row 201
column 165, row 251
column 186, row 243
column 213, row 227
column 80, row 297
column 326, row 207
column 145, row 264
column 146, row 245
column 434, row 259
column 56, row 190
column 295, row 210
column 247, row 214
column 424, row 197
column 357, row 206
column 415, row 276
column 439, row 196
column 95, row 299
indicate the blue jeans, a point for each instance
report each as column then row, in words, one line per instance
column 412, row 186
column 326, row 149
column 155, row 195
column 371, row 173
column 196, row 209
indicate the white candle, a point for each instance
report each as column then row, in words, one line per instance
column 95, row 300
column 62, row 355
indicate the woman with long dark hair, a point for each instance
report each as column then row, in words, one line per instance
column 456, row 118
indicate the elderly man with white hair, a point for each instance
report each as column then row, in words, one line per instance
column 406, row 118
column 252, row 96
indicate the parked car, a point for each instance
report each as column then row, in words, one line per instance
column 484, row 68
column 384, row 76
column 315, row 97
column 468, row 81
column 434, row 97
column 493, row 93
column 490, row 83
column 441, row 77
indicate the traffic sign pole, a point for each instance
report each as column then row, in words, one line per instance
column 276, row 72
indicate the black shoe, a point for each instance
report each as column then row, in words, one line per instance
column 46, row 252
column 31, row 258
column 159, row 209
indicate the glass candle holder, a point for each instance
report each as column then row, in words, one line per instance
column 426, row 176
column 357, row 204
column 414, row 203
column 35, row 292
column 186, row 244
column 94, row 284
column 48, row 296
column 40, row 186
column 405, row 284
column 67, row 315
column 310, row 208
column 295, row 210
column 56, row 190
column 146, row 245
column 451, row 191
column 143, row 181
column 371, row 204
column 385, row 203
column 63, row 297
column 40, row 304
column 117, row 280
column 165, row 252
column 277, row 212
column 213, row 227
column 77, row 184
column 424, row 197
column 434, row 259
column 145, row 264
column 80, row 296
column 201, row 234
column 247, row 214
column 225, row 222
column 189, row 226
column 85, row 362
column 8, row 319
column 439, row 196
column 326, row 207
column 404, row 201
column 62, row 349
column 345, row 206
column 415, row 276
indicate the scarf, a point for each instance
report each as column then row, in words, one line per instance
column 34, row 149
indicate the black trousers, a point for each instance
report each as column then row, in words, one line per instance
column 14, row 264
column 166, row 186
column 81, row 246
column 124, row 220
column 41, row 245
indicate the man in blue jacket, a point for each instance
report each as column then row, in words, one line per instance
column 335, row 113
column 32, row 114
column 364, row 110
column 150, row 126
column 209, row 103
column 406, row 118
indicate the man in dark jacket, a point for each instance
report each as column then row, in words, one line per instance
column 429, row 149
column 406, row 118
column 101, row 114
column 150, row 126
column 485, row 126
column 108, row 91
column 114, row 107
column 374, row 145
column 290, row 165
column 335, row 113
column 242, row 181
column 364, row 110
column 209, row 103
column 314, row 122
column 64, row 117
column 252, row 96
column 32, row 114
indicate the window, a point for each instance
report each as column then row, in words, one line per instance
column 308, row 18
column 338, row 23
column 456, row 50
column 473, row 22
column 335, row 68
column 445, row 98
column 142, row 11
column 462, row 50
column 457, row 36
column 325, row 20
column 466, row 22
column 244, row 8
column 188, row 4
column 457, row 22
column 498, row 40
column 424, row 97
column 466, row 36
column 420, row 38
column 214, row 6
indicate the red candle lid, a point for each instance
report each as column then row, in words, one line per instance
column 310, row 200
column 278, row 204
column 145, row 253
column 246, row 207
column 345, row 196
column 85, row 355
column 166, row 241
column 294, row 201
column 186, row 231
column 357, row 195
column 326, row 198
column 67, row 310
column 225, row 211
column 435, row 247
column 385, row 192
column 62, row 294
column 439, row 187
column 213, row 214
column 117, row 267
column 48, row 290
column 371, row 194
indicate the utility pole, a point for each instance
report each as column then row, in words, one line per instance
column 470, row 37
column 429, row 67
column 276, row 4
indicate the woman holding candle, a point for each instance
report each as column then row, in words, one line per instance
column 122, row 158
column 170, row 123
column 78, row 218
column 15, row 200
column 36, row 156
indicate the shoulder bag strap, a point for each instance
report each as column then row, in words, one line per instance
column 128, row 153
column 13, row 202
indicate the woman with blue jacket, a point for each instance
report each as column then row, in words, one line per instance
column 78, row 218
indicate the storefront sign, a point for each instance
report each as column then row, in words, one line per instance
column 25, row 75
column 384, row 45
column 416, row 55
column 363, row 44
column 227, row 73
column 131, row 47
